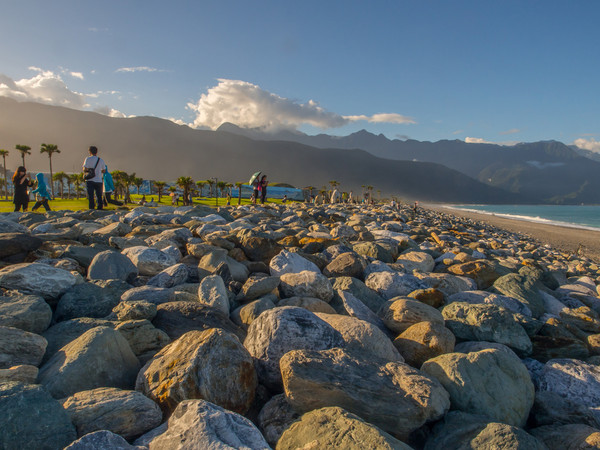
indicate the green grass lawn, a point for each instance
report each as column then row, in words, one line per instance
column 82, row 203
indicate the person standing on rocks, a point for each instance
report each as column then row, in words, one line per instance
column 21, row 181
column 93, row 169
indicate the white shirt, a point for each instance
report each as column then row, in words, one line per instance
column 90, row 162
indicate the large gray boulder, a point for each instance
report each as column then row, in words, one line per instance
column 362, row 337
column 287, row 262
column 333, row 427
column 211, row 365
column 31, row 418
column 523, row 288
column 256, row 287
column 572, row 379
column 15, row 246
column 95, row 300
column 127, row 413
column 149, row 261
column 19, row 347
column 212, row 292
column 27, row 312
column 152, row 294
column 358, row 289
column 486, row 322
column 462, row 431
column 102, row 440
column 144, row 338
column 278, row 331
column 306, row 284
column 414, row 260
column 101, row 357
column 177, row 318
column 62, row 333
column 391, row 395
column 393, row 284
column 399, row 314
column 170, row 277
column 111, row 265
column 275, row 417
column 37, row 279
column 503, row 391
column 201, row 424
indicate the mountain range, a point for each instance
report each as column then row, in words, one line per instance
column 443, row 171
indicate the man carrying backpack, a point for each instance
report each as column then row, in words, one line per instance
column 93, row 168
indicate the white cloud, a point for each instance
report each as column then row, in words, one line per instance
column 248, row 106
column 76, row 75
column 473, row 140
column 138, row 69
column 588, row 144
column 45, row 87
column 49, row 88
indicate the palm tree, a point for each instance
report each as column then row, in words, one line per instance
column 4, row 153
column 160, row 185
column 119, row 178
column 211, row 185
column 71, row 180
column 137, row 182
column 185, row 183
column 78, row 183
column 50, row 149
column 200, row 184
column 24, row 149
column 239, row 186
column 60, row 177
column 221, row 185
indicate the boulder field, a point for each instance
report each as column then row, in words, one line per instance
column 292, row 326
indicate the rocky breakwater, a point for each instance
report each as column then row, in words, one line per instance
column 292, row 326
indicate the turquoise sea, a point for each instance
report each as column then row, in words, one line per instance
column 583, row 216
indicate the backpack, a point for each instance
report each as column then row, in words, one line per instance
column 91, row 172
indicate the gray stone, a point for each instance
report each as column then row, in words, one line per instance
column 346, row 265
column 475, row 297
column 392, row 284
column 212, row 292
column 311, row 303
column 102, row 440
column 201, row 424
column 446, row 283
column 256, row 287
column 503, row 391
column 399, row 314
column 333, row 427
column 277, row 331
column 126, row 413
column 177, row 318
column 111, row 265
column 37, row 279
column 171, row 276
column 15, row 246
column 550, row 408
column 144, row 338
column 22, row 374
column 212, row 260
column 373, row 250
column 287, row 262
column 20, row 347
column 462, row 431
column 486, row 322
column 152, row 294
column 423, row 341
column 244, row 315
column 101, row 357
column 149, row 261
column 26, row 312
column 359, row 290
column 31, row 418
column 94, row 300
column 571, row 436
column 135, row 310
column 306, row 284
column 522, row 288
column 275, row 417
column 390, row 395
column 413, row 260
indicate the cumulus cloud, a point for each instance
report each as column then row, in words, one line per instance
column 45, row 87
column 473, row 140
column 49, row 88
column 248, row 106
column 588, row 144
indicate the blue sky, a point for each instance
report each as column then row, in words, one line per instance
column 482, row 70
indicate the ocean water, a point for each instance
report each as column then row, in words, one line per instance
column 583, row 216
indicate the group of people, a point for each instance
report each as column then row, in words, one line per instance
column 99, row 185
column 259, row 189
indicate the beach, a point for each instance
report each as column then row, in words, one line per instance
column 567, row 239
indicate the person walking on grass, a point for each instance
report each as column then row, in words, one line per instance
column 41, row 193
column 93, row 169
column 262, row 188
column 21, row 182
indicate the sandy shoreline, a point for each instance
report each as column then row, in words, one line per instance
column 563, row 238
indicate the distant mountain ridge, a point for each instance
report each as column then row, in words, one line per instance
column 162, row 150
column 541, row 172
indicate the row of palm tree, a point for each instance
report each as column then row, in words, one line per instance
column 50, row 149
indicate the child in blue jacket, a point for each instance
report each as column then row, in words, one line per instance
column 41, row 193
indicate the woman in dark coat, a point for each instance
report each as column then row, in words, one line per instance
column 263, row 188
column 21, row 181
